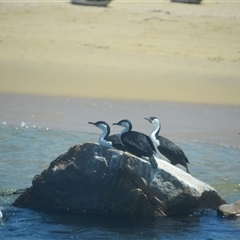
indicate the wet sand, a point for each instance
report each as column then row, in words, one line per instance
column 146, row 50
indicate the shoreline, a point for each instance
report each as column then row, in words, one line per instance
column 121, row 100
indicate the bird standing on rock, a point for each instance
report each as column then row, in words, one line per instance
column 166, row 147
column 137, row 143
column 105, row 140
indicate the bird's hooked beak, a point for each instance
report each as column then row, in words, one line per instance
column 92, row 123
column 148, row 119
column 116, row 123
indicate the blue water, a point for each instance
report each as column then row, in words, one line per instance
column 27, row 151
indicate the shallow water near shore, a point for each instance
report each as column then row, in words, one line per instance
column 35, row 130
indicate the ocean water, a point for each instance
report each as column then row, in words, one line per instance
column 35, row 130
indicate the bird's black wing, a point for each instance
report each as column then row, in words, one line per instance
column 137, row 143
column 151, row 144
column 114, row 138
column 171, row 150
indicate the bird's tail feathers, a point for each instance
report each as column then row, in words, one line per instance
column 187, row 168
column 153, row 161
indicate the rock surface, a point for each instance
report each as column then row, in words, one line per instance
column 91, row 178
column 231, row 211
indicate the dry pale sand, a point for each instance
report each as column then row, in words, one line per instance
column 148, row 50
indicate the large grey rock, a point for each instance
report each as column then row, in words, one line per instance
column 231, row 211
column 91, row 178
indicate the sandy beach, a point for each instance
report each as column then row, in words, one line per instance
column 137, row 50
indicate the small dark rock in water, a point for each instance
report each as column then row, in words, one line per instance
column 91, row 178
column 230, row 211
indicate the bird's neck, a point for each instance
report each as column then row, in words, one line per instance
column 125, row 130
column 102, row 140
column 154, row 134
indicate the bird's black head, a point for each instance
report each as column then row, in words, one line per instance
column 155, row 122
column 102, row 125
column 150, row 119
column 124, row 123
column 98, row 123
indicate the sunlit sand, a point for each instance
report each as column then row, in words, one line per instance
column 141, row 50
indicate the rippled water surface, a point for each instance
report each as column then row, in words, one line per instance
column 29, row 142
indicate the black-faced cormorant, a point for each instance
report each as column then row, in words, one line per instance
column 166, row 147
column 137, row 143
column 108, row 141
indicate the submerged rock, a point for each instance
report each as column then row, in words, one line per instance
column 91, row 178
column 231, row 211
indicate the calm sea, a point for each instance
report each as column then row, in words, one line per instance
column 34, row 130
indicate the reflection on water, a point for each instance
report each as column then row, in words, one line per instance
column 27, row 224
